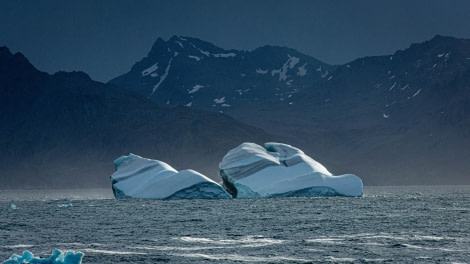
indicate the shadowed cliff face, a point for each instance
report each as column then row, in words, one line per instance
column 65, row 130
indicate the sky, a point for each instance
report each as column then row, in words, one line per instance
column 105, row 38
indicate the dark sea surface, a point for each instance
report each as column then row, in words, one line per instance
column 386, row 225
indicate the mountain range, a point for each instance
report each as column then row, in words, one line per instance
column 65, row 130
column 393, row 120
column 396, row 119
column 191, row 72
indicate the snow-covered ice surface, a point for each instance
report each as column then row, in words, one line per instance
column 137, row 177
column 57, row 257
column 253, row 171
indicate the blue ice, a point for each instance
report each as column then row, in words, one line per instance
column 65, row 205
column 57, row 257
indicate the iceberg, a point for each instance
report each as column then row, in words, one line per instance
column 280, row 170
column 57, row 257
column 137, row 177
column 65, row 205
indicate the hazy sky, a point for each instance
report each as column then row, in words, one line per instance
column 105, row 38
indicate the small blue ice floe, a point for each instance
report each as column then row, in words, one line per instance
column 57, row 257
column 13, row 207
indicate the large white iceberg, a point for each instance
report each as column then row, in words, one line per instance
column 137, row 177
column 280, row 170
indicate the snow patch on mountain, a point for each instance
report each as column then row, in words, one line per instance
column 293, row 61
column 164, row 75
column 206, row 53
column 150, row 70
column 302, row 70
column 289, row 64
column 224, row 55
column 445, row 55
column 406, row 86
column 179, row 43
column 196, row 58
column 196, row 88
column 219, row 100
column 417, row 92
column 241, row 92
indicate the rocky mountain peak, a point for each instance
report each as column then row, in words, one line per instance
column 5, row 52
column 74, row 75
column 17, row 60
column 192, row 72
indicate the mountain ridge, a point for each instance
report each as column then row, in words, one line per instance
column 396, row 119
column 65, row 130
column 393, row 109
column 177, row 71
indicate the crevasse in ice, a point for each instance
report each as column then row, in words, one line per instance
column 137, row 177
column 280, row 170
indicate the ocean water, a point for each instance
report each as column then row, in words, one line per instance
column 386, row 225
